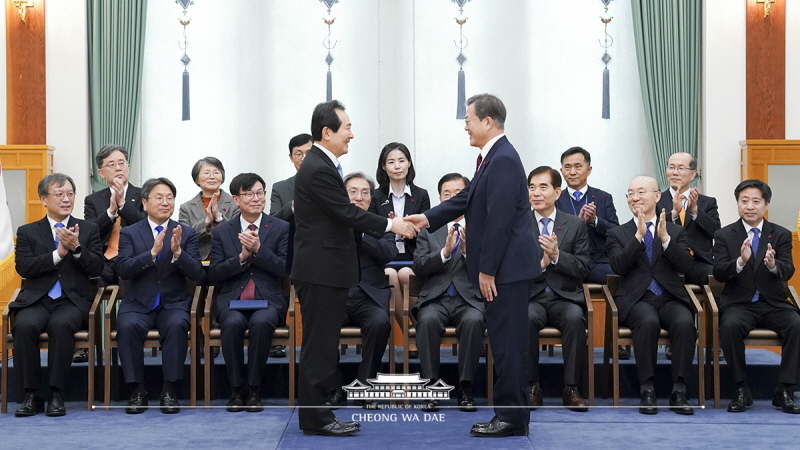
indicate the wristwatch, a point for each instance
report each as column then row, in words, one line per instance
column 77, row 249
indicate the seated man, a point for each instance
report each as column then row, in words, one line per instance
column 56, row 256
column 649, row 255
column 248, row 262
column 448, row 297
column 557, row 294
column 368, row 303
column 753, row 257
column 156, row 256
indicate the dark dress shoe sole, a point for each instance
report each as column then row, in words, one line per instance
column 505, row 433
column 684, row 411
column 134, row 410
column 468, row 408
column 254, row 408
column 340, row 430
column 56, row 413
column 578, row 408
column 234, row 409
column 648, row 410
column 27, row 413
column 170, row 410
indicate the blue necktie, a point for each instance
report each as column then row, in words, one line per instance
column 754, row 248
column 339, row 169
column 451, row 290
column 577, row 195
column 159, row 229
column 545, row 232
column 55, row 291
column 655, row 288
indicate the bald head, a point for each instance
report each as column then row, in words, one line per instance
column 643, row 195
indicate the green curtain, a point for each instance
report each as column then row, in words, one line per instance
column 667, row 35
column 116, row 49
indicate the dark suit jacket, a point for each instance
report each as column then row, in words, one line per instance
column 145, row 277
column 417, row 203
column 629, row 261
column 281, row 199
column 606, row 218
column 566, row 277
column 267, row 269
column 741, row 287
column 375, row 253
column 193, row 214
column 34, row 260
column 325, row 244
column 437, row 276
column 95, row 206
column 701, row 230
column 496, row 207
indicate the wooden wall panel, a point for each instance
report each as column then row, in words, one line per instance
column 766, row 71
column 25, row 75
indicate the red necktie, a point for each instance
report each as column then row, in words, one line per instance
column 249, row 291
column 478, row 164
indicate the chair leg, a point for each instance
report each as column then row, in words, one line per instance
column 90, row 375
column 551, row 350
column 615, row 370
column 107, row 378
column 192, row 373
column 208, row 364
column 4, row 381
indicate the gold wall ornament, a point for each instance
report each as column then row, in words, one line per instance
column 329, row 21
column 767, row 6
column 22, row 8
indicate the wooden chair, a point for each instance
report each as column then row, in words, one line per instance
column 402, row 314
column 283, row 335
column 88, row 339
column 151, row 341
column 756, row 337
column 617, row 335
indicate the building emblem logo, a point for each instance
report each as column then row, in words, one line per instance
column 398, row 387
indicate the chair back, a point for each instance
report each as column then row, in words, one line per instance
column 612, row 281
column 715, row 286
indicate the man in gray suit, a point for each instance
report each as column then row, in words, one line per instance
column 447, row 297
column 557, row 294
column 282, row 198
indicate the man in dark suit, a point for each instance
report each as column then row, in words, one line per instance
column 156, row 256
column 753, row 257
column 448, row 297
column 368, row 303
column 248, row 262
column 282, row 197
column 325, row 263
column 695, row 212
column 557, row 294
column 504, row 256
column 56, row 256
column 649, row 255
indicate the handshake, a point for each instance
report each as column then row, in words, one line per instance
column 409, row 226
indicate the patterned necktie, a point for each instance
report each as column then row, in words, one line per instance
column 156, row 303
column 451, row 290
column 478, row 164
column 339, row 169
column 249, row 291
column 55, row 291
column 682, row 214
column 577, row 195
column 754, row 248
column 545, row 232
column 655, row 288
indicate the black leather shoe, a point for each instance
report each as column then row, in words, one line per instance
column 336, row 428
column 252, row 401
column 679, row 404
column 138, row 402
column 336, row 399
column 277, row 351
column 55, row 405
column 348, row 424
column 81, row 355
column 368, row 404
column 430, row 405
column 571, row 398
column 624, row 354
column 413, row 354
column 648, row 403
column 742, row 398
column 169, row 403
column 535, row 396
column 783, row 398
column 236, row 403
column 465, row 401
column 32, row 404
column 497, row 428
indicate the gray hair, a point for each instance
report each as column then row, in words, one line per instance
column 59, row 179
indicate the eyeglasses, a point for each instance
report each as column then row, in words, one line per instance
column 160, row 199
column 631, row 194
column 299, row 155
column 61, row 195
column 114, row 165
column 209, row 173
column 681, row 169
column 249, row 195
column 356, row 192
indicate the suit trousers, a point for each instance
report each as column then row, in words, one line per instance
column 172, row 326
column 646, row 318
column 547, row 308
column 699, row 273
column 738, row 319
column 470, row 324
column 598, row 273
column 507, row 323
column 60, row 319
column 323, row 309
column 375, row 326
column 232, row 326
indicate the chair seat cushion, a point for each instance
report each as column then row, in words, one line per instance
column 762, row 333
column 625, row 333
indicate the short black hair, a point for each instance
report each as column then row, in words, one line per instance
column 107, row 150
column 325, row 116
column 59, row 179
column 211, row 161
column 297, row 141
column 382, row 176
column 153, row 182
column 363, row 176
column 573, row 150
column 244, row 182
column 451, row 177
column 488, row 105
column 555, row 177
column 766, row 192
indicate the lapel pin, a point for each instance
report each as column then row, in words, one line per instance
column 558, row 228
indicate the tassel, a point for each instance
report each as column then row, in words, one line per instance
column 606, row 99
column 461, row 107
column 329, row 94
column 185, row 95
